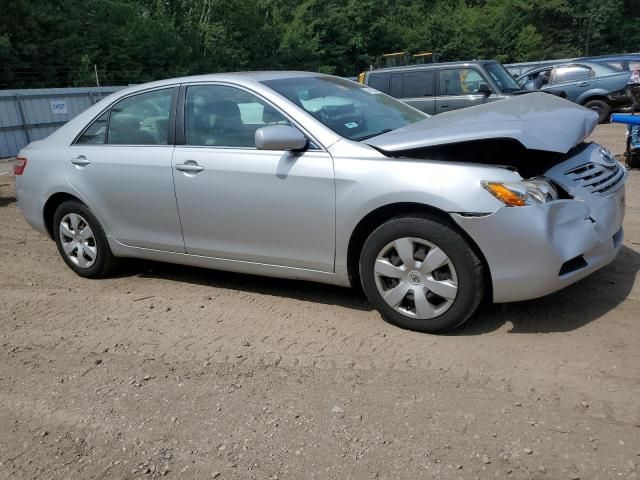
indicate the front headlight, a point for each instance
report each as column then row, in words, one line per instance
column 518, row 194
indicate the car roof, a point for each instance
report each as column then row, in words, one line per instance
column 586, row 63
column 234, row 77
column 603, row 58
column 432, row 65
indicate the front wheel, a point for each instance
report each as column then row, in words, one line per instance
column 421, row 274
column 601, row 108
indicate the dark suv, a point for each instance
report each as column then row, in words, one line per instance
column 441, row 87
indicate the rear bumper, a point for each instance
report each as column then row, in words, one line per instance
column 536, row 250
column 31, row 207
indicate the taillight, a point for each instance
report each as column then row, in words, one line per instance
column 19, row 165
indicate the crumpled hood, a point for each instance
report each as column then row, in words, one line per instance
column 539, row 121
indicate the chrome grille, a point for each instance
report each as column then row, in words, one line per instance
column 597, row 178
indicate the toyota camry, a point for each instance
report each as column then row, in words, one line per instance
column 309, row 176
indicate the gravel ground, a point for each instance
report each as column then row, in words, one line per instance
column 189, row 373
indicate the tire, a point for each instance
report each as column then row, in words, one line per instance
column 429, row 237
column 633, row 160
column 601, row 107
column 85, row 251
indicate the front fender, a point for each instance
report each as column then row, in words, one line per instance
column 363, row 187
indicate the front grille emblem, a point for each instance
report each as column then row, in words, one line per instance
column 607, row 156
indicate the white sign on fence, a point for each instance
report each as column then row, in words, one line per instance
column 59, row 107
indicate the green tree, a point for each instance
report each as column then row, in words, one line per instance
column 132, row 41
column 530, row 45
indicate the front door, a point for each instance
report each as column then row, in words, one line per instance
column 240, row 203
column 122, row 165
column 458, row 88
column 571, row 80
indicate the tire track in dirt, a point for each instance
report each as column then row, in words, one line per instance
column 577, row 347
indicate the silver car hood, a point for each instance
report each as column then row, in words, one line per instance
column 539, row 121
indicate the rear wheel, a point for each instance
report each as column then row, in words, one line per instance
column 601, row 108
column 81, row 240
column 421, row 274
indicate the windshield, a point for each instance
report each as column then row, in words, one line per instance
column 352, row 110
column 501, row 76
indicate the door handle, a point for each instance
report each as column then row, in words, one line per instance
column 584, row 84
column 80, row 161
column 191, row 167
column 444, row 106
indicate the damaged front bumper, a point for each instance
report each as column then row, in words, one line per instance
column 535, row 250
column 620, row 101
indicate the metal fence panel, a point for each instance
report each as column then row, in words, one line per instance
column 32, row 114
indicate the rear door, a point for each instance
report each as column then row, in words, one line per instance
column 418, row 90
column 122, row 165
column 458, row 88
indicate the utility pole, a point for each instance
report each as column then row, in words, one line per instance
column 95, row 69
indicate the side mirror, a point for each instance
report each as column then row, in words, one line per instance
column 280, row 137
column 484, row 89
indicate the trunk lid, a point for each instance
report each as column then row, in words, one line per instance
column 539, row 121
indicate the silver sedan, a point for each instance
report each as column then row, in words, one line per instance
column 309, row 176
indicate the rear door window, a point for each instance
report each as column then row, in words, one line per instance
column 379, row 81
column 141, row 119
column 419, row 84
column 96, row 134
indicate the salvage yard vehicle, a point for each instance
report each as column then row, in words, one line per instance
column 596, row 86
column 314, row 177
column 442, row 87
column 628, row 62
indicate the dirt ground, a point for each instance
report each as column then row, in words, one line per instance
column 189, row 373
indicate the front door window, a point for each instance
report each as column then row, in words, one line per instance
column 459, row 81
column 221, row 116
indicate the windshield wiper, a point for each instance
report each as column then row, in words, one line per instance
column 366, row 137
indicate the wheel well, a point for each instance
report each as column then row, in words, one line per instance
column 377, row 217
column 596, row 97
column 52, row 205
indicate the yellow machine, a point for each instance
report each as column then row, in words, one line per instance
column 399, row 59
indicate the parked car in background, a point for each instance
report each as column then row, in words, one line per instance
column 519, row 69
column 596, row 86
column 629, row 62
column 442, row 87
column 314, row 177
column 626, row 61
